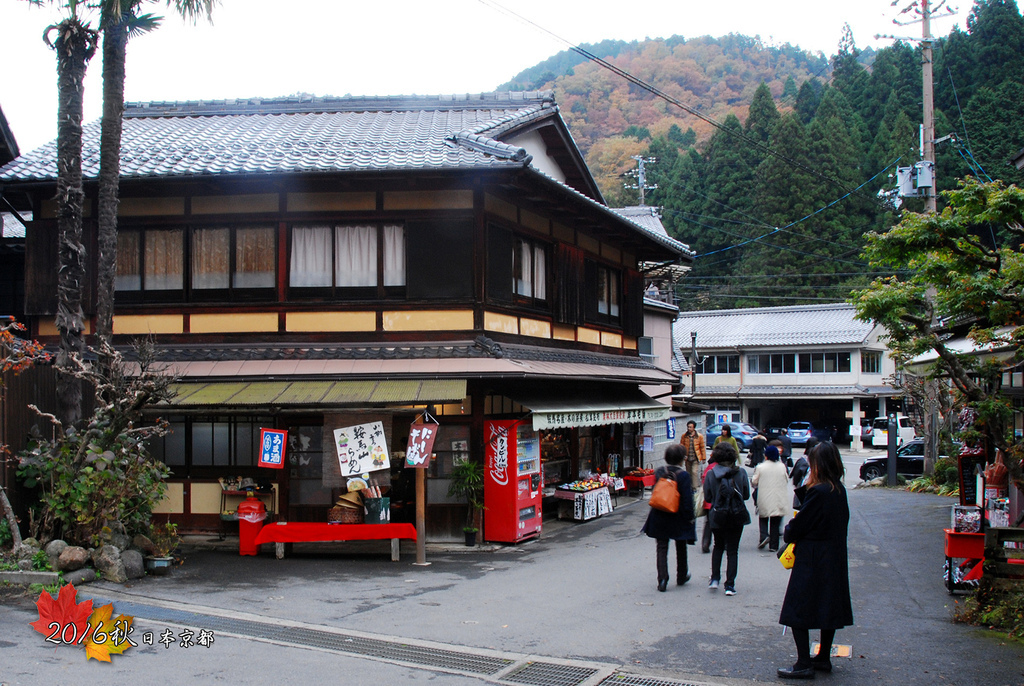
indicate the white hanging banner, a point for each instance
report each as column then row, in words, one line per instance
column 361, row 448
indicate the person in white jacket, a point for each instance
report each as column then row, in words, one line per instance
column 772, row 494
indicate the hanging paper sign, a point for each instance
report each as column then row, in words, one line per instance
column 361, row 448
column 272, row 443
column 421, row 444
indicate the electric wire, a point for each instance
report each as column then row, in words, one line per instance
column 666, row 97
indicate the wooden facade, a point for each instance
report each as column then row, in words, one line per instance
column 487, row 272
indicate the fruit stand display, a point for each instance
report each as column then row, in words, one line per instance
column 583, row 500
column 638, row 478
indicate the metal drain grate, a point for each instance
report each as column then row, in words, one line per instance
column 620, row 679
column 315, row 638
column 549, row 674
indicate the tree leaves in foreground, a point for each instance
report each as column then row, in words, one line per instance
column 958, row 272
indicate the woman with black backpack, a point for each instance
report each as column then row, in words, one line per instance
column 678, row 526
column 727, row 489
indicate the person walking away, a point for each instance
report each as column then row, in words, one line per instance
column 799, row 474
column 673, row 526
column 727, row 437
column 756, row 455
column 818, row 595
column 787, row 448
column 696, row 452
column 727, row 488
column 772, row 501
column 705, row 539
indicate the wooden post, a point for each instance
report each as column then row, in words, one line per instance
column 421, row 516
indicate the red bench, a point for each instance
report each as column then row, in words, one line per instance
column 312, row 532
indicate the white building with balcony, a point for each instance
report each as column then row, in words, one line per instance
column 770, row 366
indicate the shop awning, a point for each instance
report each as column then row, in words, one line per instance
column 316, row 393
column 566, row 409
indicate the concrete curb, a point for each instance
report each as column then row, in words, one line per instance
column 24, row 578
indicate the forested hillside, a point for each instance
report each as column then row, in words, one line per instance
column 776, row 198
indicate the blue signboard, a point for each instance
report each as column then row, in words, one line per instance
column 272, row 443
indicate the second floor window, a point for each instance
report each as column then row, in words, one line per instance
column 719, row 364
column 775, row 363
column 349, row 259
column 824, row 363
column 205, row 263
column 530, row 269
column 225, row 258
column 870, row 362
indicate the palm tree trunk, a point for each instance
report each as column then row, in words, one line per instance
column 75, row 45
column 115, row 42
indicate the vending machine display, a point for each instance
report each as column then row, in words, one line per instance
column 512, row 481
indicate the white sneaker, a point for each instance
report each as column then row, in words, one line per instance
column 713, row 585
column 730, row 591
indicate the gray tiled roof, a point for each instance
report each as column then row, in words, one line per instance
column 301, row 135
column 310, row 135
column 772, row 327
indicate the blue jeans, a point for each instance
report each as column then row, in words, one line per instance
column 727, row 541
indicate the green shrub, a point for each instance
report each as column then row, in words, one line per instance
column 5, row 533
column 1003, row 613
column 41, row 561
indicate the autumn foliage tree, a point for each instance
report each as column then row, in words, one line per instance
column 959, row 270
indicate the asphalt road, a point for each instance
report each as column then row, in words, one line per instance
column 582, row 595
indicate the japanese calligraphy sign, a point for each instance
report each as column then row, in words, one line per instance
column 272, row 443
column 361, row 448
column 421, row 444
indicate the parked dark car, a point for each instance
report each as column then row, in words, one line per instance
column 909, row 461
column 743, row 433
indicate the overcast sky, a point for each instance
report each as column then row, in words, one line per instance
column 269, row 48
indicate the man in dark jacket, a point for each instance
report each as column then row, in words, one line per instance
column 786, row 453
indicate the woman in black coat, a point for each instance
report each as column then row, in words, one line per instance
column 818, row 595
column 677, row 526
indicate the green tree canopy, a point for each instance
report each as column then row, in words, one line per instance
column 949, row 278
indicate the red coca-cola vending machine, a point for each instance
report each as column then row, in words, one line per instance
column 512, row 481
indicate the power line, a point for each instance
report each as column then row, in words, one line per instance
column 668, row 98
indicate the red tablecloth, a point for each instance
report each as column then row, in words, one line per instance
column 302, row 532
column 646, row 481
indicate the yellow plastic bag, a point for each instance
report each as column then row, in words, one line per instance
column 787, row 556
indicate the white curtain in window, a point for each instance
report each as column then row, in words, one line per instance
column 355, row 256
column 164, row 260
column 394, row 255
column 211, row 255
column 540, row 273
column 255, row 257
column 311, row 256
column 613, row 293
column 524, row 282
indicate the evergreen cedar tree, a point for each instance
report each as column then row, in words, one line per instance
column 848, row 117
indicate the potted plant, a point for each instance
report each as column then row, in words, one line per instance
column 165, row 539
column 468, row 483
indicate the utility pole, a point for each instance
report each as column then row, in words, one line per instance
column 928, row 100
column 919, row 181
column 641, row 176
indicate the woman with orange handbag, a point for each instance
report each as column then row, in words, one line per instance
column 678, row 526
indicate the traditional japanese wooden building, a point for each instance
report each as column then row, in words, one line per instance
column 310, row 263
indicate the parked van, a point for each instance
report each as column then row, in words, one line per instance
column 880, row 431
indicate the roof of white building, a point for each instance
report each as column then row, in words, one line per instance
column 772, row 327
